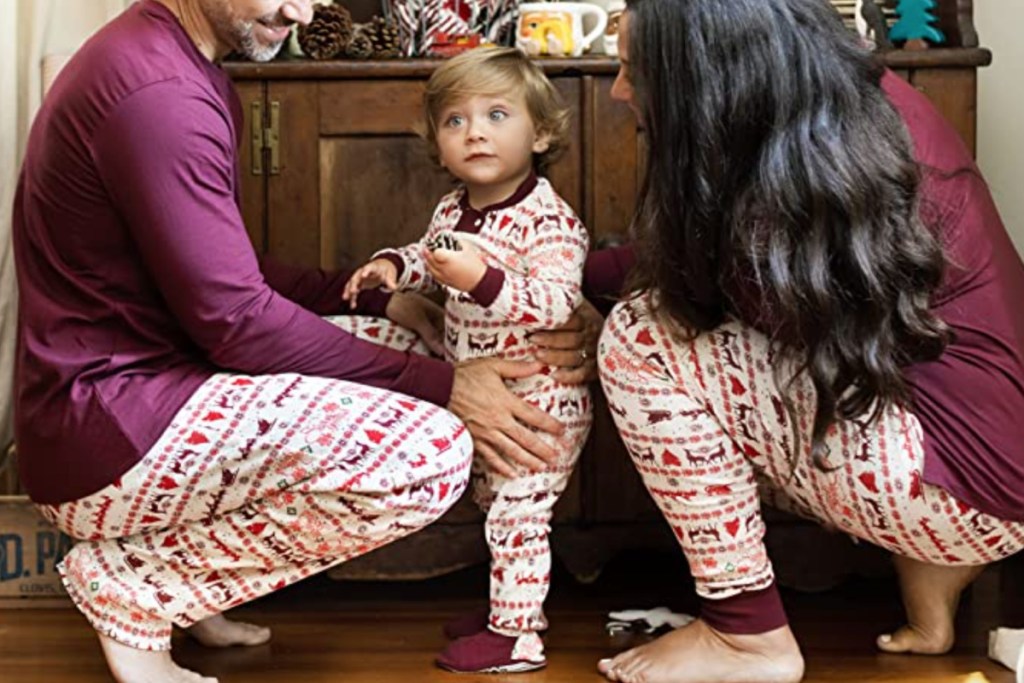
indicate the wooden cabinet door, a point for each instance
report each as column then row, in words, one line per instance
column 377, row 185
column 251, row 175
column 954, row 93
column 355, row 177
column 613, row 161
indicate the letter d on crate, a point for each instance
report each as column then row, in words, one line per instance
column 30, row 548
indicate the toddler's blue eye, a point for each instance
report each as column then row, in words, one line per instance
column 453, row 121
column 498, row 115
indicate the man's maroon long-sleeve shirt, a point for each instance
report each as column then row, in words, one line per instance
column 137, row 279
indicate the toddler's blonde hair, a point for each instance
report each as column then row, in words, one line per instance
column 498, row 71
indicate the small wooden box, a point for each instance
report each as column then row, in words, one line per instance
column 30, row 548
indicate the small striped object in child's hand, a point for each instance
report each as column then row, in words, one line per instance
column 444, row 240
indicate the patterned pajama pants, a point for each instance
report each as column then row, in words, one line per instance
column 259, row 481
column 708, row 431
column 519, row 513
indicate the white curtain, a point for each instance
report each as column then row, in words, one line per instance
column 29, row 30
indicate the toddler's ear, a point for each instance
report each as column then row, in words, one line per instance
column 542, row 142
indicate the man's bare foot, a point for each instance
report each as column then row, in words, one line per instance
column 130, row 665
column 697, row 653
column 219, row 631
column 931, row 594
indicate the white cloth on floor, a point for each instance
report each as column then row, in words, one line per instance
column 646, row 620
column 1006, row 646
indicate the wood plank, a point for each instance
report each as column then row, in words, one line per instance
column 612, row 161
column 377, row 192
column 565, row 175
column 936, row 57
column 253, row 188
column 370, row 107
column 954, row 92
column 305, row 69
column 388, row 632
column 293, row 195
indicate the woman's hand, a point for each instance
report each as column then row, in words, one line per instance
column 377, row 272
column 500, row 421
column 573, row 346
column 462, row 270
column 421, row 315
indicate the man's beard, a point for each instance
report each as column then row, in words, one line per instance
column 244, row 33
column 241, row 33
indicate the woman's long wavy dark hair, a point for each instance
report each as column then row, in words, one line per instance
column 776, row 164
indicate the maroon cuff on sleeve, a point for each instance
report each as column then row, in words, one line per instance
column 746, row 613
column 605, row 273
column 373, row 302
column 397, row 260
column 429, row 379
column 489, row 287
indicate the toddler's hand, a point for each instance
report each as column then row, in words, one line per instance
column 461, row 270
column 377, row 272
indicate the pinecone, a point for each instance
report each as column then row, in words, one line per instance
column 360, row 46
column 328, row 33
column 384, row 35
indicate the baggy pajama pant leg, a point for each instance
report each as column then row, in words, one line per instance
column 259, row 481
column 710, row 434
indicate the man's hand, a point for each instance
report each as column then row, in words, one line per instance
column 573, row 346
column 421, row 315
column 377, row 272
column 499, row 420
column 463, row 269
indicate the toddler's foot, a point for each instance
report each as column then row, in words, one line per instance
column 218, row 631
column 473, row 622
column 489, row 652
column 467, row 624
column 129, row 665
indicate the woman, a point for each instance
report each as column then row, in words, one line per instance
column 823, row 311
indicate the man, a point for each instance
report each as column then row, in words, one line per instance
column 181, row 406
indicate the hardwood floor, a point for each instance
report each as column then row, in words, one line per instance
column 371, row 633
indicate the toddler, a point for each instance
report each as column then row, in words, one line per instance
column 509, row 252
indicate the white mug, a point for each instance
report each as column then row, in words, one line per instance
column 615, row 8
column 556, row 28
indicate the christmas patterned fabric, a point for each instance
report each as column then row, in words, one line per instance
column 710, row 434
column 541, row 246
column 259, row 481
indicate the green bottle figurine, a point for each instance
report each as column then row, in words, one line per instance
column 915, row 24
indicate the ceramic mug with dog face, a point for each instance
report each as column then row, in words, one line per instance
column 556, row 28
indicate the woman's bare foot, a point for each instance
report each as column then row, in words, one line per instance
column 219, row 631
column 696, row 653
column 130, row 665
column 931, row 594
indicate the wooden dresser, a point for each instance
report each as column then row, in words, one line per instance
column 332, row 170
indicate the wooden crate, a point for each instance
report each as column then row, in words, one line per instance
column 30, row 548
